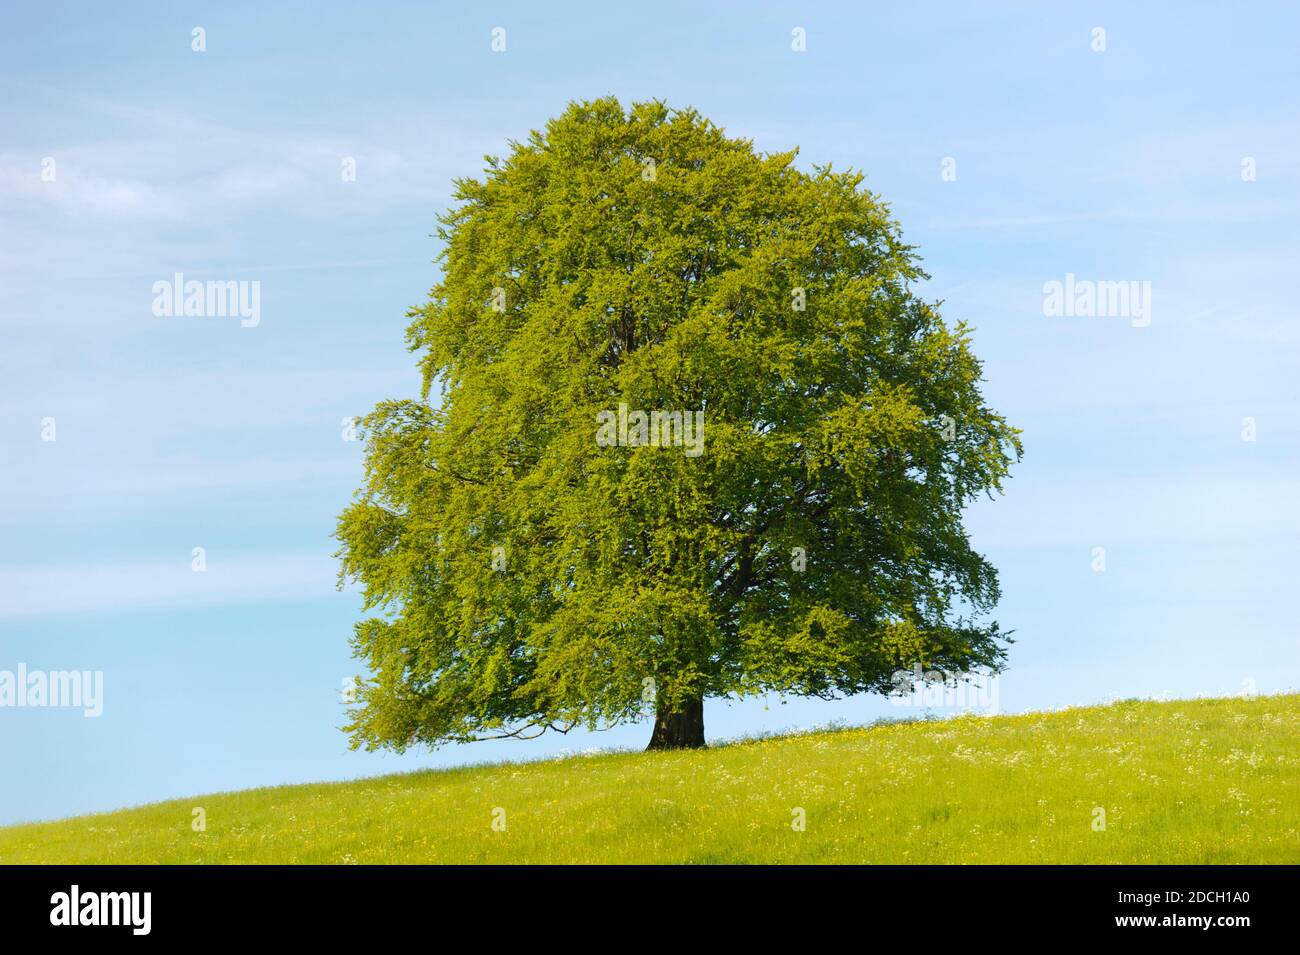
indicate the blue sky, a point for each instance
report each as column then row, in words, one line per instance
column 176, row 433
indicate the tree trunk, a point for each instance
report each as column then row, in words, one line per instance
column 683, row 729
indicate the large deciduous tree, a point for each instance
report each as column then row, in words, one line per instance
column 619, row 274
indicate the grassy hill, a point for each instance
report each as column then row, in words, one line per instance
column 1199, row 781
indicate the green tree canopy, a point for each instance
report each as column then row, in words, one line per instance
column 525, row 574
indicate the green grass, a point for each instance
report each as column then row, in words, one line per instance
column 1197, row 781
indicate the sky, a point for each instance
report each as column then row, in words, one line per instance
column 1014, row 143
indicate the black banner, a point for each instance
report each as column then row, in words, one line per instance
column 365, row 903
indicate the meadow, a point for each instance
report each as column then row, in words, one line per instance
column 1191, row 781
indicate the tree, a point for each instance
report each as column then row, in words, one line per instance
column 694, row 436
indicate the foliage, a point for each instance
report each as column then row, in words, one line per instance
column 523, row 576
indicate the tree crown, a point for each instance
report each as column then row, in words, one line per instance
column 540, row 548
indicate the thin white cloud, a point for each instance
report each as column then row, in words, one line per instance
column 1230, row 506
column 27, row 591
column 180, row 168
